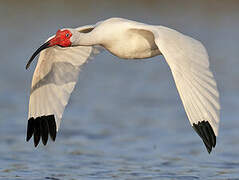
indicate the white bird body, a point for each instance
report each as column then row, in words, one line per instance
column 58, row 68
column 125, row 39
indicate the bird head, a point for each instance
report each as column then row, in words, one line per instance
column 62, row 39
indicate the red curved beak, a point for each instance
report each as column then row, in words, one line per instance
column 59, row 40
column 55, row 40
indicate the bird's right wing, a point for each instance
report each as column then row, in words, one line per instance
column 188, row 61
column 54, row 79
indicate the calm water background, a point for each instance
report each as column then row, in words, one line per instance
column 124, row 119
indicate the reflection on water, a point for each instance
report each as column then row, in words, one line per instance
column 125, row 119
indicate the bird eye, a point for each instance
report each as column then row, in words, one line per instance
column 67, row 34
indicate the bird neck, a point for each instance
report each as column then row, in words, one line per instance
column 86, row 39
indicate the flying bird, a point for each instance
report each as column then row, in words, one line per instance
column 63, row 54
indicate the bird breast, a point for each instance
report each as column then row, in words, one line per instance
column 132, row 44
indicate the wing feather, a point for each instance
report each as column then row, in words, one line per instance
column 188, row 61
column 54, row 79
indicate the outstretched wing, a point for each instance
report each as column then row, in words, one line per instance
column 188, row 61
column 54, row 79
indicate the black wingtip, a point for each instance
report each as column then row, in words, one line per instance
column 205, row 131
column 40, row 127
column 30, row 129
column 37, row 131
column 45, row 131
column 52, row 127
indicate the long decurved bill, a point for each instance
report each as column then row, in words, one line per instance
column 44, row 46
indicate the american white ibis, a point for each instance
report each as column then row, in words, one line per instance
column 59, row 64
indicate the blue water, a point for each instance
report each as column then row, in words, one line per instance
column 125, row 119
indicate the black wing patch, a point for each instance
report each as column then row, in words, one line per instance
column 207, row 134
column 40, row 127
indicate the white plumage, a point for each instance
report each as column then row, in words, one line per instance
column 58, row 68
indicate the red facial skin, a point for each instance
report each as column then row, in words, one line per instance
column 62, row 38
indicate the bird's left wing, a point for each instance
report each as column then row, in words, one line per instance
column 53, row 81
column 188, row 61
